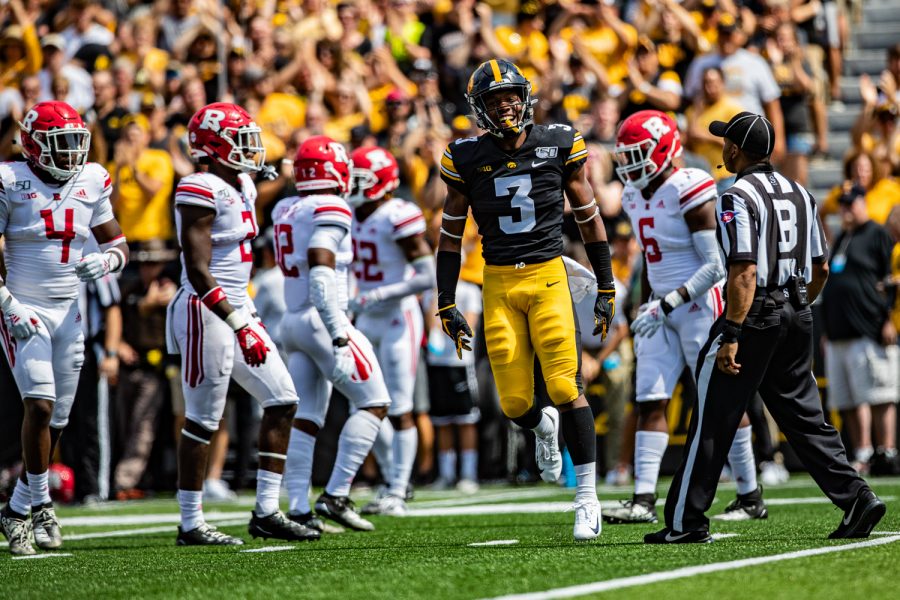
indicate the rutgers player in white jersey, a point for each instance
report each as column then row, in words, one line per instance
column 672, row 211
column 392, row 263
column 212, row 323
column 49, row 206
column 313, row 249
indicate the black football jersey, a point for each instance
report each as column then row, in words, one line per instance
column 516, row 198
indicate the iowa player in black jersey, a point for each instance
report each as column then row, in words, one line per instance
column 513, row 179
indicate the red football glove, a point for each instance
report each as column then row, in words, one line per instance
column 252, row 346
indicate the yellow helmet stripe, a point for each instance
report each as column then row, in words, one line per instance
column 495, row 68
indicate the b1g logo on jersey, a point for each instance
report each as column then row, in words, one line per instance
column 546, row 152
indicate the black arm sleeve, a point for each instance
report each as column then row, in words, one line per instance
column 448, row 266
column 598, row 255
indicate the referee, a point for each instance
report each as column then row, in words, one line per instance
column 775, row 251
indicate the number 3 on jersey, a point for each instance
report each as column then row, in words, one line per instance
column 503, row 186
column 651, row 246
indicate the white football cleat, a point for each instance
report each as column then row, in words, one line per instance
column 467, row 486
column 546, row 450
column 216, row 490
column 773, row 474
column 587, row 520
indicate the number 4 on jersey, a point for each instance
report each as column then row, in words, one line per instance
column 67, row 234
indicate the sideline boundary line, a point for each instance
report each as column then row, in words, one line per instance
column 685, row 572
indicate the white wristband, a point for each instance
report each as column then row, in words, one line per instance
column 235, row 321
column 674, row 299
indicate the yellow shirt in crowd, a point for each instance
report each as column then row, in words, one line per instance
column 722, row 110
column 883, row 196
column 602, row 43
column 143, row 218
column 281, row 114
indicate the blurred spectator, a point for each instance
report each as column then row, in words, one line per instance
column 882, row 191
column 794, row 77
column 179, row 18
column 407, row 37
column 56, row 64
column 712, row 104
column 82, row 23
column 20, row 52
column 862, row 358
column 105, row 117
column 876, row 130
column 748, row 78
column 142, row 386
column 604, row 122
column 143, row 179
column 648, row 87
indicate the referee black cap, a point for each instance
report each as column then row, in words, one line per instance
column 752, row 133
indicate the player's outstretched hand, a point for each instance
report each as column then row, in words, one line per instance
column 252, row 346
column 23, row 322
column 344, row 365
column 455, row 325
column 92, row 266
column 604, row 309
column 650, row 318
column 365, row 301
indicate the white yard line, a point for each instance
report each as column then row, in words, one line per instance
column 638, row 580
column 146, row 519
column 493, row 543
column 40, row 556
column 268, row 549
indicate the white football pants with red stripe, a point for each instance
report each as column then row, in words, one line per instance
column 311, row 362
column 396, row 335
column 46, row 366
column 210, row 356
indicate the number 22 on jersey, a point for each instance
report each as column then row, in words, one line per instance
column 365, row 255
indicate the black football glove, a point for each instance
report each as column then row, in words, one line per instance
column 454, row 325
column 604, row 309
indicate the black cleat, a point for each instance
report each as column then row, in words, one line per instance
column 861, row 519
column 206, row 535
column 313, row 521
column 669, row 536
column 342, row 510
column 278, row 526
column 745, row 507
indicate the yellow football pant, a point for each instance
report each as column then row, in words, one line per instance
column 529, row 310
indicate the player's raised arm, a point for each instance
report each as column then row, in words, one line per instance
column 449, row 261
column 590, row 224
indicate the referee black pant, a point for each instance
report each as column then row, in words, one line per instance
column 775, row 354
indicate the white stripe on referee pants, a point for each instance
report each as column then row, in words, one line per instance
column 709, row 363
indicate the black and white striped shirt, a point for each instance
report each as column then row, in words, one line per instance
column 772, row 221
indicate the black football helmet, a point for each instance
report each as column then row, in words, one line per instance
column 494, row 75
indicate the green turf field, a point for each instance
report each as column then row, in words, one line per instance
column 127, row 550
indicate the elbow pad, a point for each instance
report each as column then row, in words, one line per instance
column 323, row 293
column 713, row 269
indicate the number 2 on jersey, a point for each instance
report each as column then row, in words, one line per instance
column 651, row 246
column 284, row 244
column 66, row 235
column 520, row 200
column 365, row 255
column 246, row 251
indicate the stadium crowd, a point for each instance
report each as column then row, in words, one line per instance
column 393, row 73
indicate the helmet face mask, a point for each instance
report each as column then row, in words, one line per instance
column 55, row 139
column 225, row 133
column 646, row 144
column 490, row 92
column 375, row 173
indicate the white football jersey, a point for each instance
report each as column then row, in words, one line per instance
column 46, row 226
column 295, row 219
column 232, row 230
column 661, row 230
column 378, row 259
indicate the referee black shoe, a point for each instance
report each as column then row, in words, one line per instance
column 670, row 536
column 745, row 507
column 861, row 519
